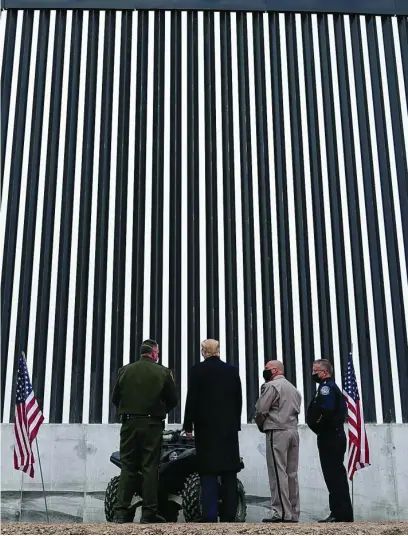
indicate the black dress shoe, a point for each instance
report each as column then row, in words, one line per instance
column 272, row 520
column 329, row 519
column 152, row 519
column 332, row 519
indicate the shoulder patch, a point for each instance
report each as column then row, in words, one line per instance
column 325, row 390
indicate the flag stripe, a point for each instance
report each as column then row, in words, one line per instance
column 358, row 452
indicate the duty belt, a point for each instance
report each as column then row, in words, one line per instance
column 127, row 416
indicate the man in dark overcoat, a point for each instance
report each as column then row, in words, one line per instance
column 213, row 410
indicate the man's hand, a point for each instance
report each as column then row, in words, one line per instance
column 189, row 435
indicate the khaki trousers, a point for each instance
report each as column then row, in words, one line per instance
column 282, row 458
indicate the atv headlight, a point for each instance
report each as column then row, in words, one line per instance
column 173, row 455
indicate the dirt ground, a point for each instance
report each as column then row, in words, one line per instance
column 194, row 528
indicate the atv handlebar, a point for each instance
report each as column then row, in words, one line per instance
column 175, row 435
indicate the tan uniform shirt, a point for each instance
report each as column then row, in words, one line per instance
column 280, row 404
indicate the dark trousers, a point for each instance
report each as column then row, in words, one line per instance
column 229, row 497
column 332, row 448
column 140, row 448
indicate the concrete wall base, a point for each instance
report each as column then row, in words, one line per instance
column 76, row 469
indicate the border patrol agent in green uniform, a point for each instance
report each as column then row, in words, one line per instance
column 144, row 393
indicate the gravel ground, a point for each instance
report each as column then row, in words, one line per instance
column 195, row 528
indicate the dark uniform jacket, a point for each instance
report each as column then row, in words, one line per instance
column 327, row 411
column 145, row 388
column 213, row 409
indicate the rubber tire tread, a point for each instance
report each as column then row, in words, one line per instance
column 191, row 500
column 110, row 499
column 241, row 512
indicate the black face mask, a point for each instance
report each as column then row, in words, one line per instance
column 267, row 374
column 316, row 378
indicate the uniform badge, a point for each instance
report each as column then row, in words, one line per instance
column 325, row 390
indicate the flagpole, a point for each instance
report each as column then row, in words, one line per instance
column 352, row 481
column 352, row 494
column 21, row 495
column 42, row 480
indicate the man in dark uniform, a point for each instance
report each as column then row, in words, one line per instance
column 213, row 409
column 326, row 416
column 144, row 393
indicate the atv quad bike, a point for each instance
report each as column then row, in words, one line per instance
column 179, row 483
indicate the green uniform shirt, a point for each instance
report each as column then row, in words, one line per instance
column 145, row 388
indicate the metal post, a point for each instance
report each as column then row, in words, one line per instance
column 348, row 450
column 352, row 494
column 42, row 480
column 21, row 496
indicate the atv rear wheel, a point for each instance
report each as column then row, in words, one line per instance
column 110, row 501
column 192, row 505
column 242, row 506
column 191, row 498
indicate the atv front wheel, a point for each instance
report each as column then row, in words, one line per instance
column 192, row 505
column 110, row 501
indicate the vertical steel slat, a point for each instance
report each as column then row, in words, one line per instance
column 195, row 256
column 136, row 325
column 157, row 173
column 210, row 208
column 175, row 212
column 231, row 321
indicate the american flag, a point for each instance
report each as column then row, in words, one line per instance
column 27, row 422
column 358, row 451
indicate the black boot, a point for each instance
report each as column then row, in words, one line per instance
column 152, row 519
column 121, row 520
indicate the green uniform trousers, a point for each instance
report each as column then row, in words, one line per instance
column 140, row 447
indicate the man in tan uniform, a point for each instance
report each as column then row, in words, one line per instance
column 277, row 411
